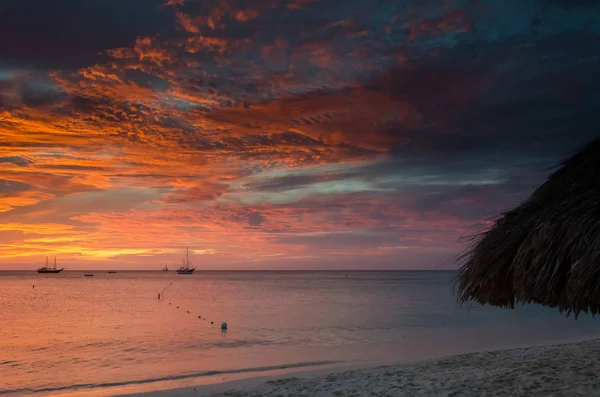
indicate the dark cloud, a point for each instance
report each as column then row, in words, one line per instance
column 334, row 241
column 32, row 97
column 73, row 33
column 30, row 90
column 574, row 3
column 72, row 167
column 16, row 160
column 146, row 80
column 489, row 98
column 11, row 187
column 255, row 219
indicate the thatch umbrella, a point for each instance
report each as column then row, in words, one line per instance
column 547, row 250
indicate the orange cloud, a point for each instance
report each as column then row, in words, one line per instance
column 160, row 145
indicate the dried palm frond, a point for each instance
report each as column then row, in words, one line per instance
column 547, row 250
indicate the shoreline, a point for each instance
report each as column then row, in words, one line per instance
column 360, row 378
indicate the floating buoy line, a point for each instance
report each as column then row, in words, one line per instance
column 161, row 297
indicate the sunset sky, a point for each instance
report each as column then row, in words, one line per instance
column 272, row 134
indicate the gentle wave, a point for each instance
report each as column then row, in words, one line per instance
column 239, row 343
column 169, row 378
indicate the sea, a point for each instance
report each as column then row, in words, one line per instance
column 71, row 335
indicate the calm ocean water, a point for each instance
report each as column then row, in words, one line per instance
column 110, row 334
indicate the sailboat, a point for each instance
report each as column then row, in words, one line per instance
column 48, row 268
column 185, row 267
column 165, row 269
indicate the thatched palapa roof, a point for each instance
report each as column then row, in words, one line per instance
column 547, row 250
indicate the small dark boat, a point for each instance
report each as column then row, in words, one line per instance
column 112, row 272
column 88, row 275
column 165, row 269
column 185, row 267
column 48, row 268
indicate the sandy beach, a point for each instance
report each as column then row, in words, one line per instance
column 556, row 370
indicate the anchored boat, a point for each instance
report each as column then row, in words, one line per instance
column 186, row 266
column 49, row 268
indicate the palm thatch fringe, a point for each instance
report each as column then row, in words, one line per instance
column 547, row 250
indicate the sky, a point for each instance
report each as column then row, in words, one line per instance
column 282, row 134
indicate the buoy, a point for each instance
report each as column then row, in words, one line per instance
column 223, row 326
column 34, row 287
column 178, row 307
column 211, row 322
column 199, row 316
column 159, row 296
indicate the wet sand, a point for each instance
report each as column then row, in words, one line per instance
column 557, row 370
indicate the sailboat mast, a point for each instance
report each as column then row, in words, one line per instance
column 54, row 263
